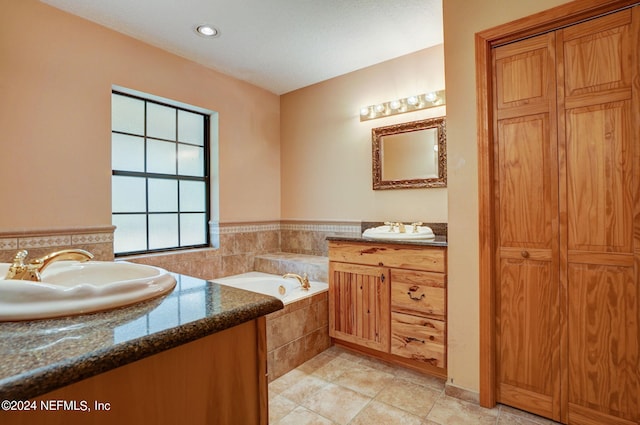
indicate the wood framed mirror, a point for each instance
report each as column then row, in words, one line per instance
column 410, row 155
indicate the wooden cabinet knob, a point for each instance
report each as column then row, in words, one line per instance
column 525, row 254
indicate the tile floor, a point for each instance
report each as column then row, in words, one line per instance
column 338, row 387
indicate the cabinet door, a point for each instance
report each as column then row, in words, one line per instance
column 359, row 304
column 527, row 283
column 599, row 113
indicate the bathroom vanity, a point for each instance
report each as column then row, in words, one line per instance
column 388, row 299
column 197, row 355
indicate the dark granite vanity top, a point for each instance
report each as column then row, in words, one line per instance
column 42, row 355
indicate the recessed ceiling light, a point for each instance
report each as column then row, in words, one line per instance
column 208, row 31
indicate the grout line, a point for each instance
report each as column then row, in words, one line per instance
column 442, row 393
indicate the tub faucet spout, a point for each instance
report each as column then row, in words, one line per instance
column 19, row 270
column 304, row 280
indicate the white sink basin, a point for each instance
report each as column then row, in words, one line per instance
column 72, row 287
column 386, row 233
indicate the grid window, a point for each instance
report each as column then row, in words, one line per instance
column 160, row 172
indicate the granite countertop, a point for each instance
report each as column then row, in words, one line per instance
column 440, row 240
column 42, row 355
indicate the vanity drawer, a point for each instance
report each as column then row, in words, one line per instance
column 419, row 339
column 389, row 255
column 418, row 292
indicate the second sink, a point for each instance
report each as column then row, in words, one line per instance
column 392, row 233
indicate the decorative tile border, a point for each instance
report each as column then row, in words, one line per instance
column 314, row 226
column 44, row 241
column 322, row 227
column 53, row 238
column 91, row 238
column 9, row 243
column 230, row 228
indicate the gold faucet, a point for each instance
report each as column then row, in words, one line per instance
column 32, row 270
column 304, row 280
column 415, row 226
column 392, row 225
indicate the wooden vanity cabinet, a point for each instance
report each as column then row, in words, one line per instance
column 389, row 300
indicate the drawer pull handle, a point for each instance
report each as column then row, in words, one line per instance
column 414, row 289
column 409, row 339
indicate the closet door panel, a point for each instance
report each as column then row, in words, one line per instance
column 527, row 291
column 526, row 215
column 595, row 55
column 603, row 340
column 599, row 193
column 525, row 73
column 528, row 327
column 599, row 178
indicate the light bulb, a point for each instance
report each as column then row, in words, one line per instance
column 430, row 97
column 412, row 100
column 380, row 108
column 364, row 111
column 395, row 104
column 207, row 31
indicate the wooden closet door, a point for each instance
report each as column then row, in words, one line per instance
column 528, row 324
column 598, row 142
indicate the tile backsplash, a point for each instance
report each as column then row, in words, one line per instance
column 40, row 242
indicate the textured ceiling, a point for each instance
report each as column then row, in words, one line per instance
column 279, row 45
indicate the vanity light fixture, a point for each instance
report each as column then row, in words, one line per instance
column 207, row 31
column 400, row 106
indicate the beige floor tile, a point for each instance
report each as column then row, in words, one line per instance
column 316, row 362
column 285, row 381
column 336, row 403
column 409, row 396
column 452, row 411
column 376, row 413
column 350, row 355
column 420, row 378
column 335, row 350
column 279, row 407
column 378, row 365
column 336, row 386
column 334, row 368
column 364, row 380
column 302, row 416
column 304, row 388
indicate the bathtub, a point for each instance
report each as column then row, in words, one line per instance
column 300, row 330
column 288, row 290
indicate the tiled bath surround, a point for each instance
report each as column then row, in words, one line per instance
column 262, row 246
column 310, row 237
column 314, row 266
column 237, row 246
column 297, row 333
